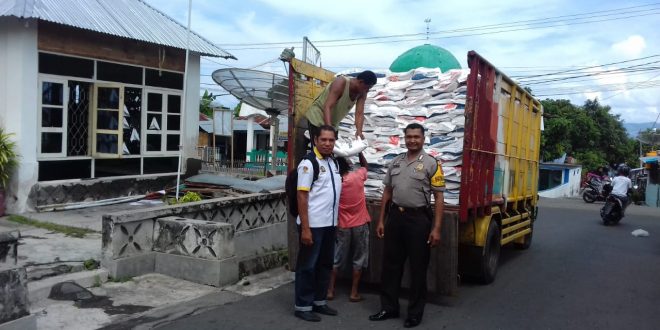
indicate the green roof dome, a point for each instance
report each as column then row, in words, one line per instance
column 426, row 55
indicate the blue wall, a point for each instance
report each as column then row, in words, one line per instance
column 652, row 195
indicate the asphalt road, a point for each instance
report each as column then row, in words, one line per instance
column 578, row 274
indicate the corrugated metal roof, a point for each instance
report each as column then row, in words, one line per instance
column 133, row 19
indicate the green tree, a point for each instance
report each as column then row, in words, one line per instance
column 590, row 133
column 237, row 109
column 205, row 103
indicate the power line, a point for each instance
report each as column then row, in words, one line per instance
column 474, row 34
column 615, row 94
column 584, row 68
column 216, row 62
column 618, row 11
column 591, row 79
column 494, row 31
column 539, row 82
column 640, row 85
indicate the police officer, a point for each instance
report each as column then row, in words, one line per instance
column 412, row 228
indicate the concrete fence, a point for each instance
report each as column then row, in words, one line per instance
column 212, row 242
column 14, row 303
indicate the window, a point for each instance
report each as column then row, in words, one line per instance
column 119, row 73
column 132, row 120
column 162, row 122
column 165, row 79
column 549, row 178
column 100, row 119
column 52, row 118
column 108, row 114
column 66, row 66
column 78, row 118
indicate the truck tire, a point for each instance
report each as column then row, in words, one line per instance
column 479, row 264
column 490, row 256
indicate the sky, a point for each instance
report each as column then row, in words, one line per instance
column 583, row 49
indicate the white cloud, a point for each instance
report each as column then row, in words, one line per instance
column 517, row 53
column 633, row 46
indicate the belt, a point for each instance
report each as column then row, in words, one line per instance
column 409, row 209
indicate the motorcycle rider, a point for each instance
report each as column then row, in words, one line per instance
column 621, row 185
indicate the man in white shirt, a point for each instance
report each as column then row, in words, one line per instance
column 318, row 206
column 621, row 184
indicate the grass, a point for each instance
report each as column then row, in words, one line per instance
column 120, row 279
column 66, row 230
column 97, row 281
column 91, row 264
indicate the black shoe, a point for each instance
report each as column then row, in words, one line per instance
column 325, row 310
column 383, row 315
column 307, row 316
column 412, row 322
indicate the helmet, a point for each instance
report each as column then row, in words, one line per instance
column 623, row 169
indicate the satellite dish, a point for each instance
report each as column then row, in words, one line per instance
column 263, row 90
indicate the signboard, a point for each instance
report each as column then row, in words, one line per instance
column 222, row 121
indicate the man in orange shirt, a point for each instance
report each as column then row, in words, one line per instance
column 353, row 227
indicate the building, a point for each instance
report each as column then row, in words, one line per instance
column 95, row 89
column 428, row 56
column 559, row 180
column 652, row 189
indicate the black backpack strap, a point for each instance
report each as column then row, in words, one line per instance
column 315, row 165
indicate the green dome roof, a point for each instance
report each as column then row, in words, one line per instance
column 426, row 55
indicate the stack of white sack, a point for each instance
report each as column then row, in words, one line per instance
column 426, row 96
column 347, row 146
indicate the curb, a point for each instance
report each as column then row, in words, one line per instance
column 28, row 322
column 39, row 290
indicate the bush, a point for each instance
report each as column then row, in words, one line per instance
column 8, row 157
column 190, row 197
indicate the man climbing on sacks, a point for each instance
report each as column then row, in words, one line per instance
column 318, row 208
column 334, row 103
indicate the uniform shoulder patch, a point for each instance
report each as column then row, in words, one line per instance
column 438, row 178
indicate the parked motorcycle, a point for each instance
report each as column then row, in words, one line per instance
column 613, row 210
column 597, row 190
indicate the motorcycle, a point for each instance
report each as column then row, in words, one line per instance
column 613, row 210
column 596, row 190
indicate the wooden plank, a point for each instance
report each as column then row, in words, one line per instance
column 68, row 40
column 312, row 71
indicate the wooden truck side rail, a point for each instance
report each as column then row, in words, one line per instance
column 502, row 138
column 499, row 179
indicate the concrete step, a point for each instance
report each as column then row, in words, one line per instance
column 38, row 290
column 40, row 272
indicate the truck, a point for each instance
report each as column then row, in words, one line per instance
column 499, row 181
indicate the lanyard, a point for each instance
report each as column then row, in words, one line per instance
column 334, row 191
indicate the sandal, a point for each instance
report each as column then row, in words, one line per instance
column 358, row 299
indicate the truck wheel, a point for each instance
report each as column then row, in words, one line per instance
column 490, row 256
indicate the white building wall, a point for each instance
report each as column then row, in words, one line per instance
column 574, row 182
column 569, row 189
column 18, row 103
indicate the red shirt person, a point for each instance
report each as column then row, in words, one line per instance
column 353, row 227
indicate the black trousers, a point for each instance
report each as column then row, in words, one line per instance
column 313, row 268
column 406, row 236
